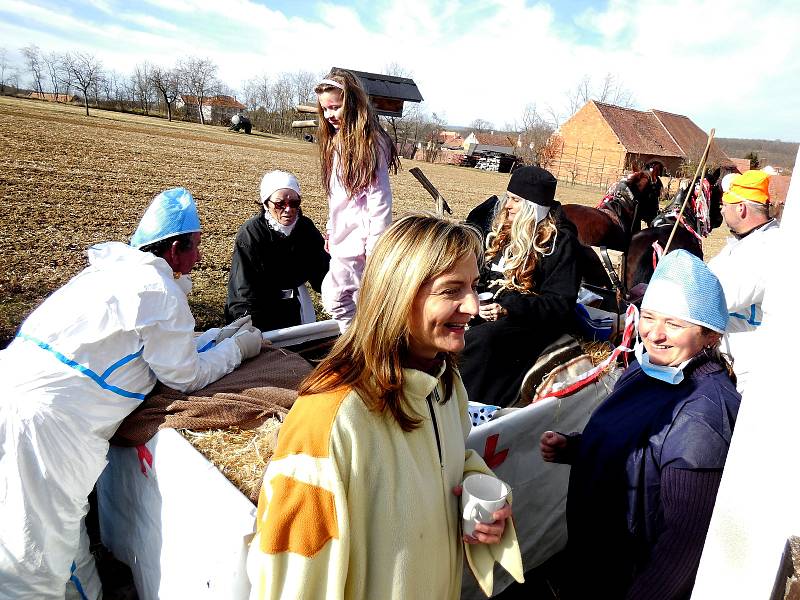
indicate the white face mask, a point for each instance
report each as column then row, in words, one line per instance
column 667, row 374
column 185, row 283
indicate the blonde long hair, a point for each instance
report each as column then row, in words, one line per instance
column 521, row 243
column 360, row 141
column 367, row 358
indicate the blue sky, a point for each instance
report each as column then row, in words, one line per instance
column 732, row 66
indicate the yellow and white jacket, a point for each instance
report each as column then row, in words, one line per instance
column 352, row 507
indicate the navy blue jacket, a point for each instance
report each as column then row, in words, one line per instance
column 615, row 512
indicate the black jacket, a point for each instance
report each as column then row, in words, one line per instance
column 498, row 353
column 616, row 507
column 266, row 262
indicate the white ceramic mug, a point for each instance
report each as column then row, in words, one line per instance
column 481, row 496
column 485, row 297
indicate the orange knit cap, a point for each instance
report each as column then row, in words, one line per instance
column 750, row 185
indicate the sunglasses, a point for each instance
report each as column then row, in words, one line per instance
column 285, row 203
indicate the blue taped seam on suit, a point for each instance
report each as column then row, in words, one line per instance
column 751, row 319
column 122, row 361
column 74, row 579
column 98, row 379
column 207, row 346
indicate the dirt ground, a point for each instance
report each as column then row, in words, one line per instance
column 68, row 181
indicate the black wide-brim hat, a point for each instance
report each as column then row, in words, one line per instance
column 535, row 184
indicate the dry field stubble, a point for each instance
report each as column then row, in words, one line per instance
column 68, row 181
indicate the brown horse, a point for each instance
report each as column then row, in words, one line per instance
column 618, row 215
column 643, row 251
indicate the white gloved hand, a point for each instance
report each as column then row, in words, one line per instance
column 231, row 329
column 248, row 339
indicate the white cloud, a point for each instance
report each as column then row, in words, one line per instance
column 148, row 22
column 733, row 68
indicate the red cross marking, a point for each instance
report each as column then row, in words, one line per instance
column 493, row 460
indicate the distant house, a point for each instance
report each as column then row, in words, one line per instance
column 741, row 164
column 217, row 110
column 602, row 140
column 491, row 142
column 48, row 97
column 451, row 139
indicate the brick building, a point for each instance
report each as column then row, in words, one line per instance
column 217, row 110
column 601, row 141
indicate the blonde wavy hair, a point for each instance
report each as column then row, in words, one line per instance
column 521, row 243
column 360, row 140
column 367, row 357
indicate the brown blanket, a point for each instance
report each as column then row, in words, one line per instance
column 260, row 388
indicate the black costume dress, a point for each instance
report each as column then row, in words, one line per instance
column 267, row 268
column 499, row 353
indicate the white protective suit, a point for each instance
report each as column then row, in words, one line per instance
column 80, row 364
column 741, row 267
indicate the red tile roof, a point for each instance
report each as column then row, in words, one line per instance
column 497, row 139
column 742, row 164
column 219, row 101
column 640, row 132
column 690, row 138
column 779, row 188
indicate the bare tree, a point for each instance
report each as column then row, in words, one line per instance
column 200, row 78
column 304, row 83
column 33, row 60
column 256, row 92
column 167, row 82
column 4, row 69
column 52, row 66
column 399, row 126
column 535, row 131
column 481, row 126
column 611, row 90
column 86, row 70
column 142, row 84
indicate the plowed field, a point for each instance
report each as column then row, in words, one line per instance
column 68, row 181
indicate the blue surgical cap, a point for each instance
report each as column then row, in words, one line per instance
column 171, row 213
column 683, row 286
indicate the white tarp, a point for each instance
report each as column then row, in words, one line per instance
column 183, row 529
column 510, row 447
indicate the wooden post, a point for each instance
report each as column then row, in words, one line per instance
column 560, row 159
column 589, row 166
column 574, row 173
column 602, row 171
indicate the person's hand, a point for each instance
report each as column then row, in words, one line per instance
column 248, row 339
column 488, row 533
column 551, row 444
column 231, row 329
column 491, row 312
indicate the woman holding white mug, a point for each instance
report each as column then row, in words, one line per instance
column 359, row 498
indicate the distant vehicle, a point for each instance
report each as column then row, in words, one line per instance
column 241, row 123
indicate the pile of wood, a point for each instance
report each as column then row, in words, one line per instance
column 496, row 162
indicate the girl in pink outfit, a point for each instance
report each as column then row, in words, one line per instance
column 356, row 155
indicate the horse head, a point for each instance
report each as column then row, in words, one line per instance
column 703, row 211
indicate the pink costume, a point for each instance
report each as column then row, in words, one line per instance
column 354, row 225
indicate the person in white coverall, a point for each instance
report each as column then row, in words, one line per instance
column 741, row 265
column 79, row 365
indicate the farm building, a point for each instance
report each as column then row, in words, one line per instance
column 741, row 164
column 217, row 110
column 601, row 141
column 48, row 97
column 387, row 92
column 491, row 142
